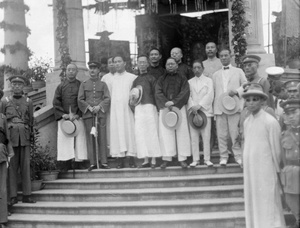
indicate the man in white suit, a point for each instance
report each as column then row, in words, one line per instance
column 229, row 79
column 201, row 98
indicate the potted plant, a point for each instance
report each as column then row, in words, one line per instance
column 48, row 168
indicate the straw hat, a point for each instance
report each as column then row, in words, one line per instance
column 135, row 95
column 70, row 128
column 171, row 118
column 198, row 121
column 227, row 104
column 254, row 89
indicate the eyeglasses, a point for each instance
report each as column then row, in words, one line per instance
column 255, row 99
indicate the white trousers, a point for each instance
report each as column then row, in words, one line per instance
column 205, row 133
column 175, row 142
column 71, row 147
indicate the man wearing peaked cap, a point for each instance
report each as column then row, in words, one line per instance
column 94, row 64
column 292, row 90
column 251, row 65
column 19, row 113
column 261, row 159
column 291, row 158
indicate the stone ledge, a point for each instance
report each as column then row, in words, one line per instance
column 44, row 116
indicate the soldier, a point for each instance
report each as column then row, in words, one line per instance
column 66, row 108
column 19, row 113
column 6, row 152
column 291, row 157
column 94, row 101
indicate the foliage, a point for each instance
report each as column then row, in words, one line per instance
column 17, row 46
column 14, row 27
column 41, row 158
column 14, row 5
column 62, row 35
column 38, row 68
column 239, row 25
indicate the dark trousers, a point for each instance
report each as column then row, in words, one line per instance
column 3, row 193
column 21, row 160
column 90, row 139
column 293, row 201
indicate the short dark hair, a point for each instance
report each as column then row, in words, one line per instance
column 171, row 58
column 119, row 55
column 139, row 56
column 154, row 48
column 225, row 49
column 71, row 63
column 198, row 61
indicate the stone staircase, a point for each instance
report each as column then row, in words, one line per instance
column 196, row 197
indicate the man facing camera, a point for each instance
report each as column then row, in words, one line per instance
column 94, row 101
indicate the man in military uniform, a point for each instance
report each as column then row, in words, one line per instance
column 94, row 102
column 291, row 157
column 66, row 108
column 19, row 113
column 6, row 152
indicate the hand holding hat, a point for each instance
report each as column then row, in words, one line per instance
column 169, row 103
column 195, row 108
column 135, row 95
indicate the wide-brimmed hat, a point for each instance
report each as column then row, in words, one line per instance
column 136, row 95
column 171, row 118
column 227, row 104
column 254, row 89
column 70, row 128
column 197, row 121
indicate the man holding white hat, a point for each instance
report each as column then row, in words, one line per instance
column 201, row 98
column 261, row 159
column 68, row 116
column 145, row 115
column 172, row 93
column 227, row 106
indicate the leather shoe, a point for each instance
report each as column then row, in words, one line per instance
column 183, row 165
column 13, row 201
column 28, row 199
column 145, row 165
column 104, row 166
column 92, row 167
column 153, row 166
column 164, row 165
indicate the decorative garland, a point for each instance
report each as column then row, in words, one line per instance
column 239, row 25
column 14, row 27
column 14, row 5
column 62, row 35
column 17, row 46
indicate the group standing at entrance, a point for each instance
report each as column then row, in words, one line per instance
column 162, row 113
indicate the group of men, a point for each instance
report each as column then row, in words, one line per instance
column 162, row 112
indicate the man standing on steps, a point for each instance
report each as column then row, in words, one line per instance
column 122, row 140
column 94, row 101
column 261, row 159
column 172, row 90
column 18, row 110
column 65, row 107
column 228, row 81
column 183, row 69
column 212, row 64
column 154, row 59
column 145, row 115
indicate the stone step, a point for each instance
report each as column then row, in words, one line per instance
column 70, row 195
column 148, row 172
column 228, row 219
column 147, row 182
column 131, row 207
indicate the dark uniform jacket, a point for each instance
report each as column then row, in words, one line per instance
column 19, row 114
column 290, row 175
column 93, row 93
column 65, row 98
column 172, row 87
column 148, row 82
column 6, row 149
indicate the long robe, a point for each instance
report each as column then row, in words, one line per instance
column 261, row 158
column 122, row 140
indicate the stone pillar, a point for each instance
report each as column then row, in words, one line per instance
column 19, row 59
column 76, row 45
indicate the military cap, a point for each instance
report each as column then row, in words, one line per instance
column 251, row 58
column 93, row 64
column 18, row 78
column 290, row 104
column 274, row 72
column 292, row 84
